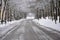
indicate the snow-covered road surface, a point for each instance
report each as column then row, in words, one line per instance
column 5, row 28
column 29, row 30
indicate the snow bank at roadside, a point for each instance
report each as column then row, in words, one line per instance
column 48, row 23
column 5, row 28
column 8, row 23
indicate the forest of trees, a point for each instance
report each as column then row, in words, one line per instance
column 8, row 11
column 52, row 10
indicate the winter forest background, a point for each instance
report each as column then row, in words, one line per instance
column 46, row 12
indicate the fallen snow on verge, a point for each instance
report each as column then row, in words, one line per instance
column 4, row 28
column 48, row 23
column 8, row 23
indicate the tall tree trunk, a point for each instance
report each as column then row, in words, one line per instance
column 2, row 11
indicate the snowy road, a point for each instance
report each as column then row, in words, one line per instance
column 28, row 30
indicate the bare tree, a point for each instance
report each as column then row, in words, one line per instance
column 2, row 11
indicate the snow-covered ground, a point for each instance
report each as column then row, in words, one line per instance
column 4, row 28
column 30, row 18
column 8, row 23
column 48, row 23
